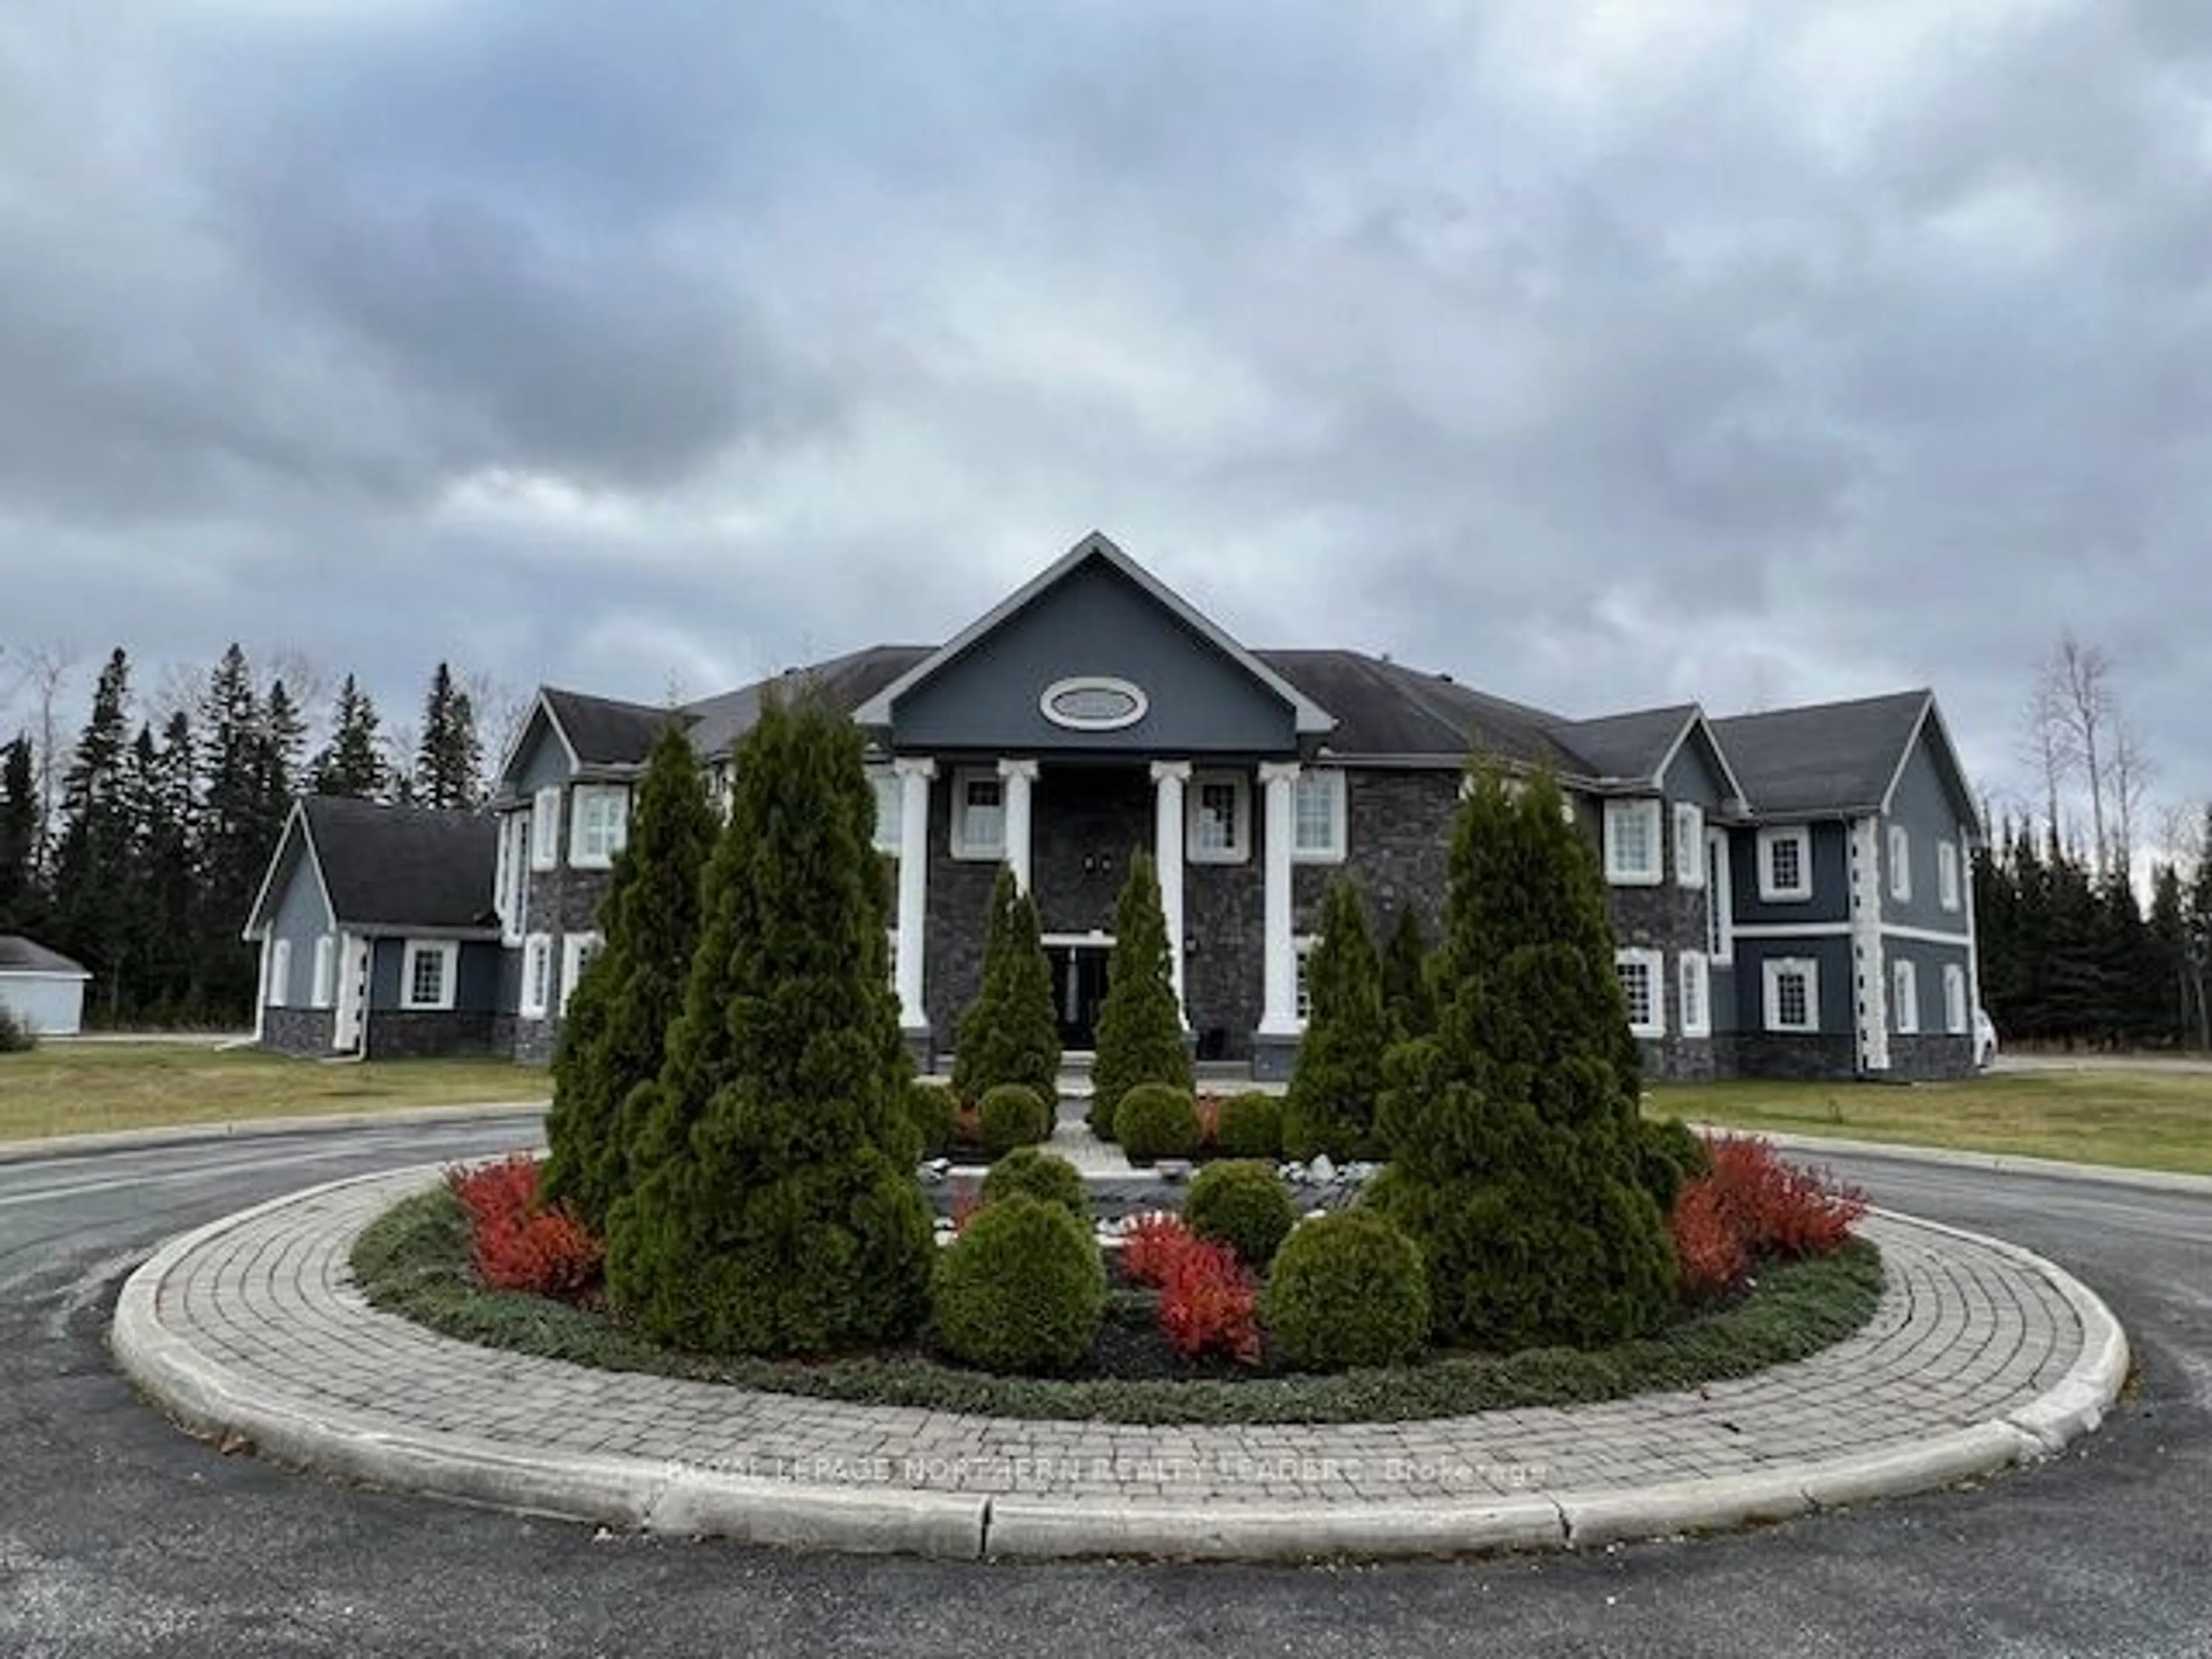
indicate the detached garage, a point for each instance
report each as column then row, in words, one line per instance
column 43, row 988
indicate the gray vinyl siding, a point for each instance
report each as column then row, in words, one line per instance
column 1926, row 810
column 1831, row 881
column 1929, row 960
column 1095, row 622
column 300, row 917
column 543, row 762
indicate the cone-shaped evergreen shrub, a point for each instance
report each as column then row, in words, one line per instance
column 1023, row 1288
column 1139, row 1038
column 1330, row 1105
column 1408, row 999
column 777, row 1210
column 615, row 1028
column 1011, row 1032
column 1514, row 1133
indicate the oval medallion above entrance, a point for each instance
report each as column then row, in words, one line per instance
column 1093, row 703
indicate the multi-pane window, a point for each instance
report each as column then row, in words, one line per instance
column 891, row 800
column 1905, row 991
column 1785, row 864
column 1640, row 972
column 1632, row 842
column 1689, row 844
column 602, row 814
column 427, row 975
column 979, row 815
column 512, row 899
column 578, row 950
column 536, row 976
column 1318, row 816
column 1219, row 827
column 1793, row 994
column 1693, row 998
column 1900, row 863
column 1947, row 874
column 1303, row 950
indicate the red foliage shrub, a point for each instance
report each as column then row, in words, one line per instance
column 515, row 1245
column 1208, row 1304
column 1151, row 1249
column 1751, row 1203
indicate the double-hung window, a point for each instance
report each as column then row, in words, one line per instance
column 1785, row 863
column 427, row 974
column 1905, row 991
column 1317, row 816
column 1900, row 863
column 1633, row 857
column 1643, row 982
column 601, row 825
column 545, row 830
column 1218, row 824
column 979, row 814
column 1947, row 874
column 1689, row 844
column 1793, row 993
column 1693, row 999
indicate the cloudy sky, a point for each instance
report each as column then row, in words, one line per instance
column 1601, row 354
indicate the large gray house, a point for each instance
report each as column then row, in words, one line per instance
column 1789, row 888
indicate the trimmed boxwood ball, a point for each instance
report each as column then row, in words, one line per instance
column 931, row 1107
column 1024, row 1289
column 1157, row 1120
column 1013, row 1114
column 1346, row 1290
column 1242, row 1203
column 1250, row 1126
column 1041, row 1174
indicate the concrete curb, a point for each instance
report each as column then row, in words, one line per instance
column 253, row 1129
column 215, row 1400
column 2110, row 1175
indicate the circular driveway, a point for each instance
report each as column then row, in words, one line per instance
column 120, row 1536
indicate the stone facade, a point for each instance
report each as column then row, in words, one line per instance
column 1398, row 829
column 1831, row 1055
column 1930, row 1058
column 305, row 1032
column 1678, row 1058
column 1223, row 963
column 401, row 1034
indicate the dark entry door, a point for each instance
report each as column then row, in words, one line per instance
column 1079, row 973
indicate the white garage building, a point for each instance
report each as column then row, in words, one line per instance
column 42, row 988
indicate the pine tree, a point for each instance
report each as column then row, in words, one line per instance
column 93, row 854
column 1514, row 1132
column 239, row 824
column 449, row 764
column 1139, row 1036
column 776, row 1211
column 19, row 837
column 613, row 1036
column 1406, row 997
column 2169, row 983
column 1330, row 1105
column 1011, row 1032
column 352, row 763
column 283, row 749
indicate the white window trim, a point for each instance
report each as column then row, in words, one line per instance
column 584, row 801
column 1773, row 971
column 545, row 830
column 1193, row 814
column 963, row 847
column 1947, row 874
column 890, row 802
column 449, row 954
column 572, row 946
column 533, row 1000
column 1694, row 969
column 324, row 990
column 1721, row 897
column 1619, row 874
column 1900, row 864
column 280, row 974
column 1653, row 963
column 1689, row 844
column 515, row 863
column 1769, row 891
column 1955, row 1020
column 1905, row 996
column 1332, row 779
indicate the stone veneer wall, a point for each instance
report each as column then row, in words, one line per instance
column 1398, row 829
column 1830, row 1055
column 562, row 901
column 1680, row 1058
column 305, row 1032
column 1930, row 1058
column 405, row 1034
column 958, row 922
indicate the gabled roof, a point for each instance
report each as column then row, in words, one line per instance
column 390, row 868
column 1840, row 758
column 845, row 683
column 1385, row 708
column 1309, row 716
column 602, row 730
column 19, row 955
column 1630, row 747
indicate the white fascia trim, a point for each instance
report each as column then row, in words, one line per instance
column 1905, row 754
column 1793, row 930
column 255, row 924
column 1927, row 935
column 1659, row 772
column 1309, row 716
column 538, row 706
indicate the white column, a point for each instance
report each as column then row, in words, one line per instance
column 1279, row 1009
column 1169, row 778
column 1020, row 776
column 914, row 776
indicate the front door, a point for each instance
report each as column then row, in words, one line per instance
column 1079, row 976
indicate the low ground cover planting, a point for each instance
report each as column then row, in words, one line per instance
column 1169, row 1327
column 2147, row 1116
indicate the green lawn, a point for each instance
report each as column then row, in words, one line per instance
column 2141, row 1118
column 67, row 1088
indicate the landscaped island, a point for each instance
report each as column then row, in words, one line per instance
column 734, row 1189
